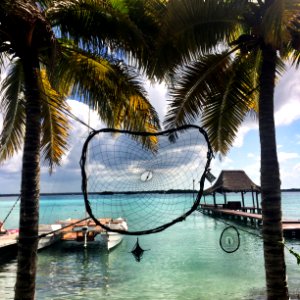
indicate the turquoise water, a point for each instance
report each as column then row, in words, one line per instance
column 184, row 261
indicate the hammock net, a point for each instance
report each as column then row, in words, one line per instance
column 153, row 180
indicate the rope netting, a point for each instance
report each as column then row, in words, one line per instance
column 153, row 180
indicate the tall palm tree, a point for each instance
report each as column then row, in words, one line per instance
column 234, row 55
column 47, row 57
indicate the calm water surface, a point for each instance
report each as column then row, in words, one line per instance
column 183, row 262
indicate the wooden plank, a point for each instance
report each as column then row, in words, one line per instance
column 232, row 212
column 239, row 213
column 290, row 227
column 8, row 239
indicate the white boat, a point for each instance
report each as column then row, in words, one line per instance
column 114, row 238
column 53, row 235
column 85, row 231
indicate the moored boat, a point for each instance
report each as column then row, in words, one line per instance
column 85, row 231
column 53, row 235
column 114, row 238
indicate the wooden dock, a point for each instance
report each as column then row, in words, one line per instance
column 8, row 246
column 291, row 228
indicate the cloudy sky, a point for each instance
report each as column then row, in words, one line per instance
column 244, row 155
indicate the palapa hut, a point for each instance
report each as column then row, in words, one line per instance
column 234, row 181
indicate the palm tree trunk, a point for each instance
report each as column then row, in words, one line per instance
column 30, row 186
column 270, row 183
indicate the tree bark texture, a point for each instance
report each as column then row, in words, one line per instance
column 275, row 268
column 30, row 185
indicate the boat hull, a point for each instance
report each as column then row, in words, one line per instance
column 85, row 231
column 112, row 240
column 53, row 237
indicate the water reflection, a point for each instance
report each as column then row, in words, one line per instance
column 8, row 279
column 78, row 268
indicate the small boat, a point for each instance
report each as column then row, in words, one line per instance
column 85, row 231
column 9, row 239
column 53, row 235
column 114, row 238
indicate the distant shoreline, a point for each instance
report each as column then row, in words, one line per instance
column 129, row 193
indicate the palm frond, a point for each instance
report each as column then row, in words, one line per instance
column 294, row 30
column 218, row 90
column 13, row 110
column 135, row 113
column 2, row 61
column 227, row 108
column 274, row 31
column 148, row 16
column 96, row 25
column 296, row 58
column 109, row 87
column 54, row 124
column 90, row 78
column 194, row 84
column 191, row 26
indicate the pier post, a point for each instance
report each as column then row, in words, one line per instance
column 243, row 200
column 257, row 203
column 253, row 199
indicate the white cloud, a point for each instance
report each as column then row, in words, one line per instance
column 243, row 130
column 157, row 95
column 284, row 156
column 217, row 165
column 13, row 165
column 289, row 112
column 289, row 177
column 287, row 97
column 287, row 103
column 297, row 167
column 67, row 177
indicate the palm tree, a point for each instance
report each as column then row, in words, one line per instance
column 234, row 55
column 48, row 57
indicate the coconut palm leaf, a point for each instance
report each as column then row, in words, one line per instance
column 54, row 123
column 294, row 45
column 195, row 83
column 148, row 15
column 190, row 27
column 220, row 91
column 92, row 24
column 13, row 109
column 296, row 58
column 228, row 108
column 2, row 59
column 107, row 86
column 273, row 31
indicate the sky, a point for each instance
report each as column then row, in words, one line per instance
column 244, row 155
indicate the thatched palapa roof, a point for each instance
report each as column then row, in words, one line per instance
column 233, row 181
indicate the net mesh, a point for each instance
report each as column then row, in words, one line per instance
column 230, row 239
column 151, row 187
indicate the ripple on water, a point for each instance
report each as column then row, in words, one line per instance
column 184, row 262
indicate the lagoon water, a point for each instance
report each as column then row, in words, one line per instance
column 183, row 262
